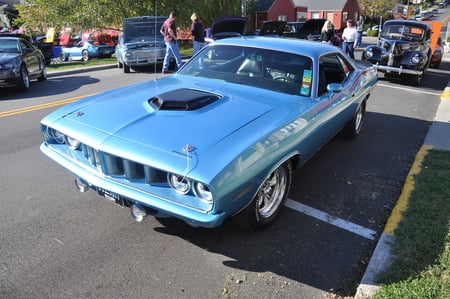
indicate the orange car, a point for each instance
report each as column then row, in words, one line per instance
column 438, row 52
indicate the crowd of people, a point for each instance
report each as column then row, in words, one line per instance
column 351, row 37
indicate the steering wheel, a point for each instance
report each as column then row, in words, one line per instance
column 284, row 79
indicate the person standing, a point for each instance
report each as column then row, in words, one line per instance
column 169, row 31
column 327, row 32
column 359, row 30
column 349, row 37
column 198, row 34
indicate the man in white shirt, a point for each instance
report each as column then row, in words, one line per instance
column 350, row 39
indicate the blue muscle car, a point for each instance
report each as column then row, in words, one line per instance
column 221, row 137
column 85, row 50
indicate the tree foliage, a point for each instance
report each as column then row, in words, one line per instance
column 38, row 15
column 377, row 8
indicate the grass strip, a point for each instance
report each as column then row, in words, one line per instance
column 421, row 250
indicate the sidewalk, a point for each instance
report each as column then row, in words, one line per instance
column 438, row 137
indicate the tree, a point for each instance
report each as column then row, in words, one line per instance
column 38, row 15
column 377, row 8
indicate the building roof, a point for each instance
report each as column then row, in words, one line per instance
column 263, row 5
column 314, row 5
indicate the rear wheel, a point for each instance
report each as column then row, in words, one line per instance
column 353, row 127
column 269, row 199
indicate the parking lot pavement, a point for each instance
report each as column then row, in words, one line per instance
column 436, row 138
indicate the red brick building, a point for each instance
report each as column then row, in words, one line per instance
column 337, row 11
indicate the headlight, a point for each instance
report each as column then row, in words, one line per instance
column 179, row 183
column 128, row 54
column 72, row 143
column 56, row 135
column 369, row 53
column 202, row 191
column 416, row 59
column 6, row 66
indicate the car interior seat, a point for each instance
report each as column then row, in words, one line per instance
column 252, row 66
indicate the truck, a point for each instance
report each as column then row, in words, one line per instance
column 140, row 43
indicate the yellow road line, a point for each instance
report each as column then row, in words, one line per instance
column 41, row 106
column 408, row 188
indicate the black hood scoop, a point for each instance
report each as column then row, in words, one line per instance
column 183, row 100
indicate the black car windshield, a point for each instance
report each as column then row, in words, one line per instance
column 268, row 69
column 9, row 46
column 403, row 32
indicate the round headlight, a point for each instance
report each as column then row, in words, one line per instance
column 56, row 135
column 202, row 191
column 179, row 183
column 415, row 59
column 369, row 53
column 128, row 54
column 72, row 143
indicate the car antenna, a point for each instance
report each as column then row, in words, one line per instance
column 156, row 24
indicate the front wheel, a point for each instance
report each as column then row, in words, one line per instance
column 24, row 80
column 126, row 68
column 268, row 200
column 85, row 55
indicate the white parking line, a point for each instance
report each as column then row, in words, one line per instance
column 409, row 89
column 341, row 223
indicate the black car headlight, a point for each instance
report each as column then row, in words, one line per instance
column 416, row 59
column 369, row 53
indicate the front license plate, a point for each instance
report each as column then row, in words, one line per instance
column 111, row 197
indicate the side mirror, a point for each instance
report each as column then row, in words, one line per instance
column 334, row 87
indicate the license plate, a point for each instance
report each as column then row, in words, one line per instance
column 111, row 197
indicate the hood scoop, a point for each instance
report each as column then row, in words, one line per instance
column 183, row 100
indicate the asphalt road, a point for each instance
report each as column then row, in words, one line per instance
column 58, row 243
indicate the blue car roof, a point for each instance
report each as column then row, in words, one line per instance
column 293, row 45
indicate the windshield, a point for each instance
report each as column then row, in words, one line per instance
column 9, row 46
column 273, row 70
column 143, row 32
column 403, row 32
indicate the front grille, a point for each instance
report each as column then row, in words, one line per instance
column 115, row 166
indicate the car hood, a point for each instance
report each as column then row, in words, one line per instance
column 8, row 56
column 225, row 25
column 136, row 115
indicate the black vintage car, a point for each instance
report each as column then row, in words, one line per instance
column 403, row 50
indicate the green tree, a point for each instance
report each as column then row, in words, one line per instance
column 377, row 8
column 38, row 15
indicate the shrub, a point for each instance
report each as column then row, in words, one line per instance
column 372, row 33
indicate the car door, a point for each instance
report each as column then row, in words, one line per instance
column 334, row 108
column 29, row 56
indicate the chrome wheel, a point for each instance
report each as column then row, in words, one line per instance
column 24, row 81
column 85, row 55
column 266, row 204
column 272, row 192
column 354, row 126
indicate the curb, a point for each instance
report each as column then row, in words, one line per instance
column 381, row 257
column 80, row 70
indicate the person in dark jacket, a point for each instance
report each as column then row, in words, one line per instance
column 327, row 32
column 198, row 35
